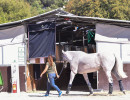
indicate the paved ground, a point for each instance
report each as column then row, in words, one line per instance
column 74, row 95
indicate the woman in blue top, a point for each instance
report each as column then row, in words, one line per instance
column 51, row 70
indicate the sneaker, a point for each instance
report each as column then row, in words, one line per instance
column 60, row 94
column 46, row 95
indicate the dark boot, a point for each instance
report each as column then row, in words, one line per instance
column 90, row 89
column 110, row 88
column 69, row 88
column 121, row 86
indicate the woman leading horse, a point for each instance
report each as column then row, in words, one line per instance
column 51, row 70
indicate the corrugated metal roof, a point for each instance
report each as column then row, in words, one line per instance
column 95, row 20
column 63, row 14
column 35, row 18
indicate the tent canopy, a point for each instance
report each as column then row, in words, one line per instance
column 12, row 35
column 112, row 33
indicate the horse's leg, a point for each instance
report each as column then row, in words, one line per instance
column 72, row 75
column 88, row 83
column 121, row 86
column 110, row 80
column 119, row 80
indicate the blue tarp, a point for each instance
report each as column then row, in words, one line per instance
column 41, row 39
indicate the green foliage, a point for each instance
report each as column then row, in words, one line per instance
column 113, row 9
column 43, row 6
column 36, row 6
column 47, row 3
column 13, row 10
column 52, row 4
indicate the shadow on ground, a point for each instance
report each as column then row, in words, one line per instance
column 77, row 94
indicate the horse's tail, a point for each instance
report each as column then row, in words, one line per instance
column 119, row 67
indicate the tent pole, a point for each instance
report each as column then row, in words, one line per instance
column 26, row 57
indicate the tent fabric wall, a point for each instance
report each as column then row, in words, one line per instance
column 41, row 39
column 112, row 33
column 12, row 35
column 102, row 38
column 114, row 39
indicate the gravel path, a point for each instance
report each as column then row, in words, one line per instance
column 74, row 95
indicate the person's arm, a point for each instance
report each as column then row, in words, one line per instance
column 56, row 72
column 44, row 71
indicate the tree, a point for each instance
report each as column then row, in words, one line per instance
column 36, row 6
column 52, row 4
column 13, row 10
column 113, row 9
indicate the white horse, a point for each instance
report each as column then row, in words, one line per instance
column 83, row 63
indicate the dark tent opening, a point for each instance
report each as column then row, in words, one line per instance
column 75, row 36
column 41, row 39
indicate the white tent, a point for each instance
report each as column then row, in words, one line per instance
column 12, row 45
column 12, row 35
column 113, row 38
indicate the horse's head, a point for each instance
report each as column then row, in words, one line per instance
column 66, row 57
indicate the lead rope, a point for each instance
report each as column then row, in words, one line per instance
column 56, row 77
column 60, row 73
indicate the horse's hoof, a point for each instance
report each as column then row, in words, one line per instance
column 67, row 93
column 124, row 92
column 91, row 94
